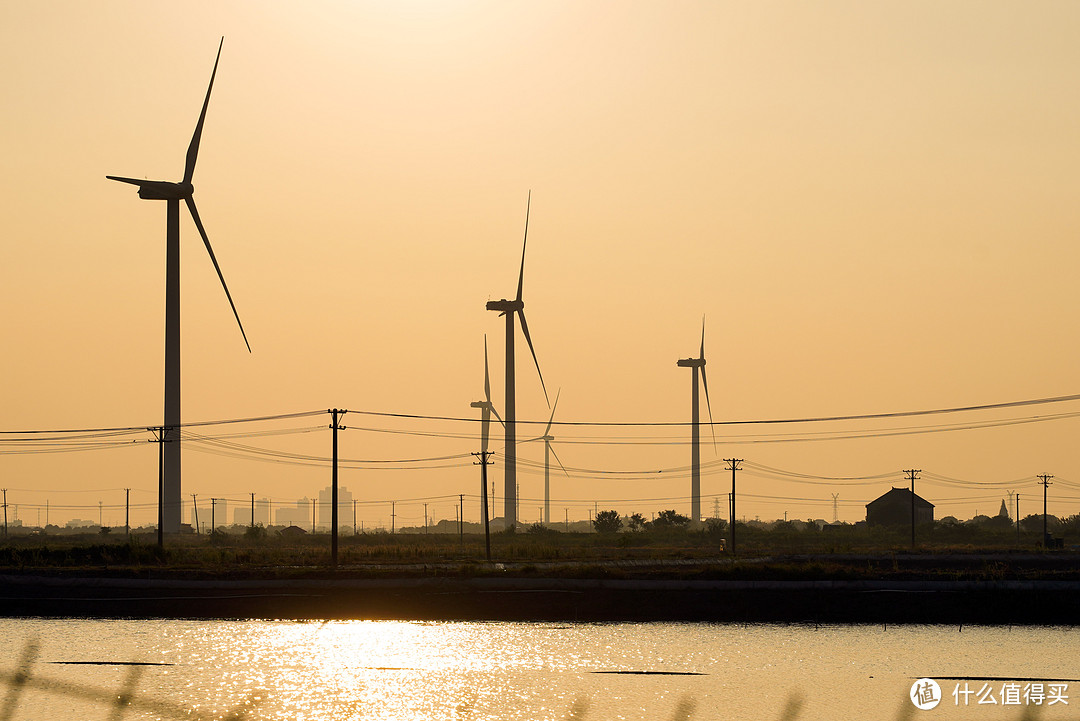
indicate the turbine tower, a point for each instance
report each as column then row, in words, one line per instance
column 172, row 194
column 487, row 409
column 547, row 438
column 511, row 308
column 695, row 428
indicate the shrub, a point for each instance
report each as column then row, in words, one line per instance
column 670, row 519
column 607, row 522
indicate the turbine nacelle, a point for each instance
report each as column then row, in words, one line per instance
column 506, row 306
column 691, row 363
column 158, row 189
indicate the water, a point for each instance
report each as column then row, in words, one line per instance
column 478, row 671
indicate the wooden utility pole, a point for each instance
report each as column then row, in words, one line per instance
column 252, row 511
column 335, row 413
column 159, row 438
column 5, row 512
column 913, row 475
column 195, row 505
column 733, row 465
column 461, row 519
column 127, row 511
column 484, row 463
column 1045, row 483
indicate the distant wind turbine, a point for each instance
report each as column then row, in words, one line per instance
column 173, row 193
column 695, row 432
column 549, row 452
column 510, row 308
column 487, row 409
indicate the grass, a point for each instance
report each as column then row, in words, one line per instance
column 665, row 554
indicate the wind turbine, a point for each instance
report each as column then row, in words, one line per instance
column 487, row 409
column 547, row 438
column 173, row 193
column 510, row 308
column 695, row 432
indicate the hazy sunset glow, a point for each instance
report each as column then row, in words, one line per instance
column 873, row 205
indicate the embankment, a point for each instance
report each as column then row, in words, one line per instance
column 547, row 599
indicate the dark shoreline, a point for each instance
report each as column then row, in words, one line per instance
column 1019, row 602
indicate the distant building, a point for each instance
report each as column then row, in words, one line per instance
column 293, row 532
column 894, row 509
column 297, row 515
column 242, row 513
column 211, row 513
column 326, row 508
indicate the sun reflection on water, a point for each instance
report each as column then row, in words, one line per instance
column 383, row 670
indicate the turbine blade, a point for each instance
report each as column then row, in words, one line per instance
column 547, row 431
column 702, row 337
column 528, row 339
column 130, row 181
column 202, row 231
column 193, row 148
column 497, row 416
column 487, row 376
column 521, row 273
column 556, row 457
column 705, row 382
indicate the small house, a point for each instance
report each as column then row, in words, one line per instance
column 894, row 509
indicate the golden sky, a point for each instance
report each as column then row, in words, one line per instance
column 873, row 204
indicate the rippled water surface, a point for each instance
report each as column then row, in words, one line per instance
column 398, row 670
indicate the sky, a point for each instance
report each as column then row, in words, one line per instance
column 871, row 205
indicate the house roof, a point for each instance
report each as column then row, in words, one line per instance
column 900, row 495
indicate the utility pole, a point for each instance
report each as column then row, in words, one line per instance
column 5, row 511
column 913, row 475
column 354, row 516
column 835, row 507
column 393, row 518
column 195, row 505
column 566, row 519
column 484, row 521
column 313, row 516
column 252, row 511
column 159, row 438
column 733, row 465
column 213, row 516
column 1012, row 505
column 99, row 514
column 127, row 511
column 425, row 518
column 1045, row 484
column 335, row 413
column 461, row 519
